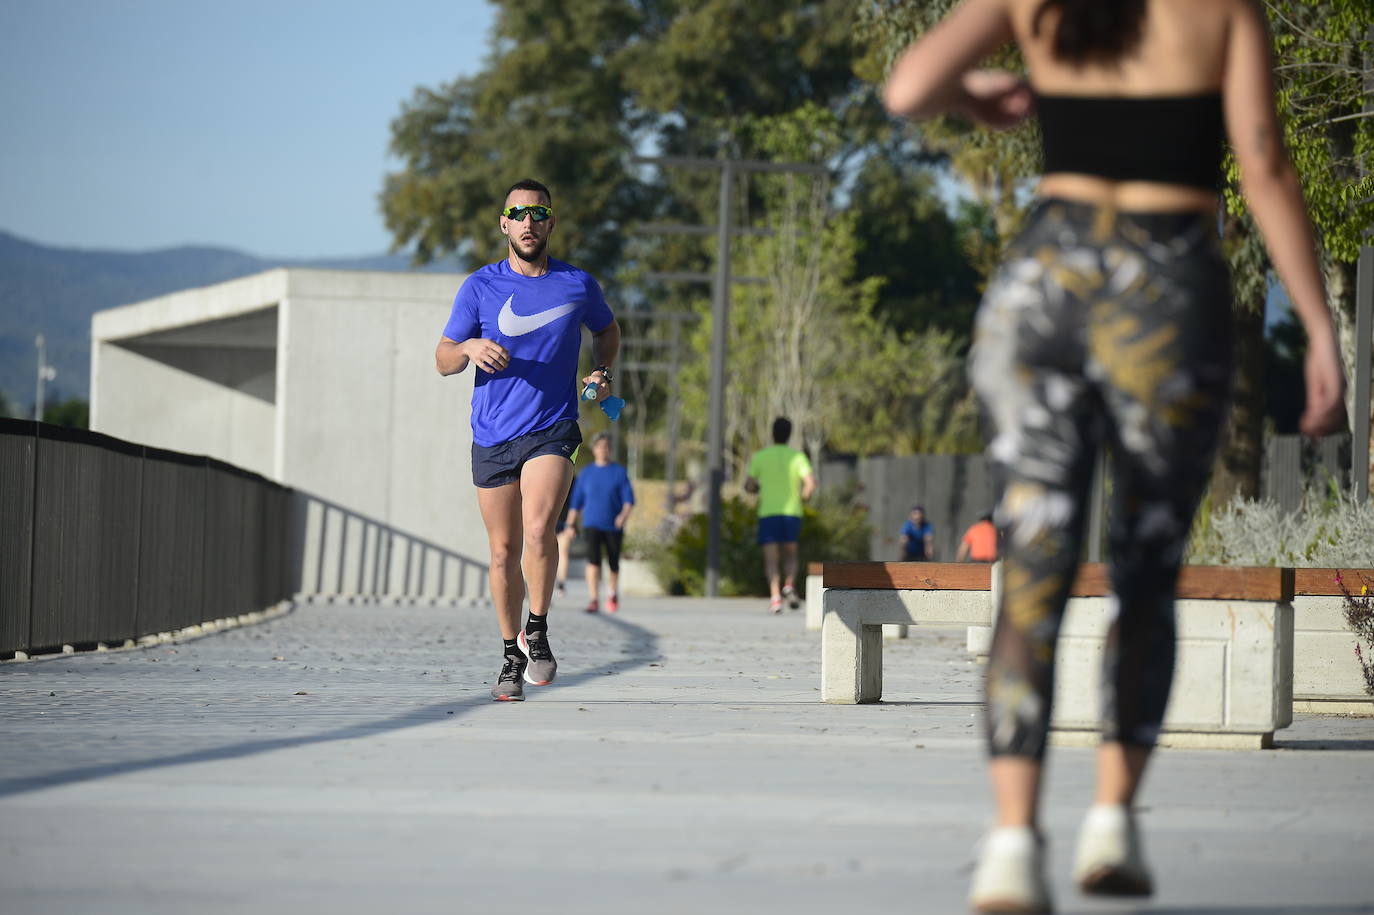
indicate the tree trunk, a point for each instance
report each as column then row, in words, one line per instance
column 1236, row 473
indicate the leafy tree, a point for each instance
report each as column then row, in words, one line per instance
column 907, row 237
column 567, row 98
column 569, row 91
column 73, row 413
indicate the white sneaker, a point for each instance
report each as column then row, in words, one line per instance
column 1110, row 860
column 1010, row 876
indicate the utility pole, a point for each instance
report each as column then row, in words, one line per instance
column 45, row 373
column 1364, row 335
column 720, row 327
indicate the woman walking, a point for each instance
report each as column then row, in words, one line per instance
column 1109, row 325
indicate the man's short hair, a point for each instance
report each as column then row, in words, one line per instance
column 529, row 184
column 601, row 437
column 782, row 430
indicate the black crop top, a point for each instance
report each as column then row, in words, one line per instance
column 1175, row 139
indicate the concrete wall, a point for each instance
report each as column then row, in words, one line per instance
column 367, row 421
column 324, row 381
column 202, row 400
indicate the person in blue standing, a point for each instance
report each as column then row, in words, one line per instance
column 602, row 499
column 918, row 537
column 519, row 321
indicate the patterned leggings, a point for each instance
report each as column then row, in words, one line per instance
column 1101, row 329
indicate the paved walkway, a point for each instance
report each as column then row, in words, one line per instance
column 346, row 759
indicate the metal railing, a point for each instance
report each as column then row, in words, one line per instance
column 103, row 540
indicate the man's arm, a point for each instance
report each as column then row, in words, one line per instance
column 930, row 545
column 605, row 350
column 963, row 550
column 451, row 357
column 751, row 486
column 808, row 486
column 570, row 523
column 624, row 515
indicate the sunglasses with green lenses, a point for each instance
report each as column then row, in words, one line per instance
column 538, row 213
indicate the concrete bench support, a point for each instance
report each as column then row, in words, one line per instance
column 1233, row 682
column 902, row 594
column 1326, row 677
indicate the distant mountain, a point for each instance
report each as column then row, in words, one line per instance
column 54, row 291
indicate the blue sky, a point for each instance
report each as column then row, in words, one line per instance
column 260, row 125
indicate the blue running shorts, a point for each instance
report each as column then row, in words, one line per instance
column 779, row 529
column 500, row 464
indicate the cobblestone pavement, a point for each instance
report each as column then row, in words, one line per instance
column 346, row 758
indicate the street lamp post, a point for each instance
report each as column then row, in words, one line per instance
column 45, row 373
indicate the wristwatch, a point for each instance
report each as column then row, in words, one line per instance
column 605, row 372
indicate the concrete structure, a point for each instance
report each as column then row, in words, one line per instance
column 1326, row 677
column 322, row 380
column 1233, row 681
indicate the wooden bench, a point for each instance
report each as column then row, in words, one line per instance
column 1233, row 681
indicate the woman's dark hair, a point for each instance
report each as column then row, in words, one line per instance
column 1093, row 30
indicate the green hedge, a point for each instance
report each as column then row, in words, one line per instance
column 831, row 531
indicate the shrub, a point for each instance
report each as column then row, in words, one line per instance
column 1331, row 530
column 1359, row 616
column 831, row 530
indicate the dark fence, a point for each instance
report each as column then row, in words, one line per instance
column 103, row 540
column 955, row 490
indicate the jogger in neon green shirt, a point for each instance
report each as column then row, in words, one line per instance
column 783, row 478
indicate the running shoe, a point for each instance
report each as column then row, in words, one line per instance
column 789, row 594
column 1010, row 876
column 612, row 604
column 508, row 687
column 775, row 605
column 542, row 667
column 1110, row 860
column 593, row 607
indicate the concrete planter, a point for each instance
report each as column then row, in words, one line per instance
column 1234, row 683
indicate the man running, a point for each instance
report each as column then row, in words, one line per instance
column 519, row 321
column 782, row 478
column 603, row 499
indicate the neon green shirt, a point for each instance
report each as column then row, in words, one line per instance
column 779, row 470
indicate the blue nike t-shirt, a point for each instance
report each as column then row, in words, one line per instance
column 537, row 319
column 599, row 493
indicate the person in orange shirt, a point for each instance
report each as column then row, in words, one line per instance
column 979, row 543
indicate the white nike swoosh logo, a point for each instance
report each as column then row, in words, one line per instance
column 514, row 325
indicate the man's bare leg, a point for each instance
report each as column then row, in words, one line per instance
column 544, row 483
column 565, row 539
column 593, row 581
column 789, row 564
column 770, row 568
column 500, row 508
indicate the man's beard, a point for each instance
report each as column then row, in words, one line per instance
column 539, row 245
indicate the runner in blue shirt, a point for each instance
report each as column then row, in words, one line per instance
column 520, row 321
column 603, row 499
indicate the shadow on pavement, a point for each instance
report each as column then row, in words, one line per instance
column 1318, row 743
column 640, row 648
column 1248, row 910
